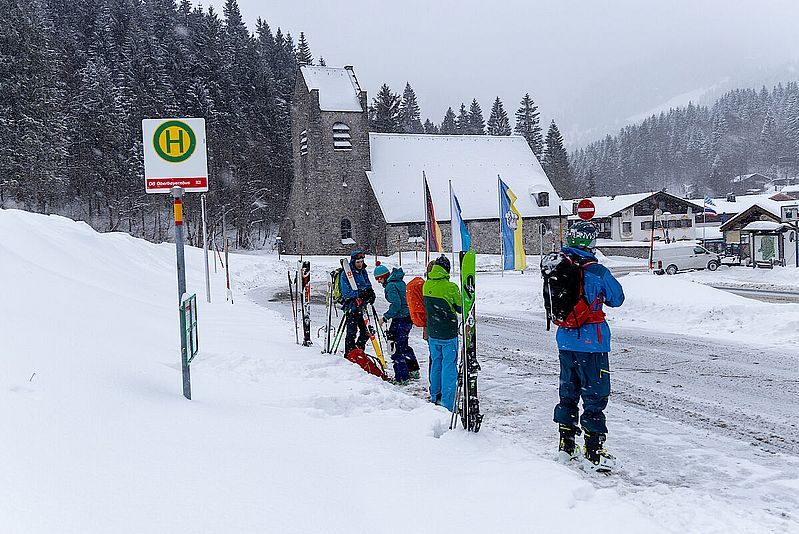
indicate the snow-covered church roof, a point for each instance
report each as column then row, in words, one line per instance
column 338, row 88
column 471, row 162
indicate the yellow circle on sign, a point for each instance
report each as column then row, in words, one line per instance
column 174, row 141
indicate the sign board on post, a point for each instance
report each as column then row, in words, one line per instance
column 586, row 209
column 790, row 214
column 175, row 155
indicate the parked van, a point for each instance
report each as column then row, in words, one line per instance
column 676, row 257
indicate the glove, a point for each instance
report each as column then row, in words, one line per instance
column 368, row 295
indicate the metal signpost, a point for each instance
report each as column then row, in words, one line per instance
column 175, row 161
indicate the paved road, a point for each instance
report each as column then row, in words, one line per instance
column 713, row 419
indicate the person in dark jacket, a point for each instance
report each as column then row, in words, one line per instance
column 355, row 300
column 583, row 354
column 405, row 364
column 442, row 302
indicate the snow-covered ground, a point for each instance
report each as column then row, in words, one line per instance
column 281, row 438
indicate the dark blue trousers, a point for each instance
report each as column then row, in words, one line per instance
column 586, row 375
column 403, row 357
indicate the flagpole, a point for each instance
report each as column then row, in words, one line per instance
column 501, row 237
column 426, row 223
column 451, row 224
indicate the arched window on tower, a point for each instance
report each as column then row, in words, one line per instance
column 346, row 232
column 341, row 137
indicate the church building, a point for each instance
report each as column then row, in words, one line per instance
column 353, row 189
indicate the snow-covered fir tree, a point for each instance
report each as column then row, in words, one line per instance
column 462, row 125
column 430, row 128
column 384, row 116
column 304, row 56
column 555, row 162
column 498, row 120
column 449, row 125
column 409, row 112
column 477, row 124
column 527, row 125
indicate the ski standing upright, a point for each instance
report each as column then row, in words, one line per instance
column 468, row 404
column 305, row 276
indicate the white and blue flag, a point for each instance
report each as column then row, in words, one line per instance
column 710, row 206
column 461, row 241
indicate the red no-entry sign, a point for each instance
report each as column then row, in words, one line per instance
column 586, row 209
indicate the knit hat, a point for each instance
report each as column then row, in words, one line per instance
column 443, row 261
column 381, row 270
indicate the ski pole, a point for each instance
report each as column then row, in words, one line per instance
column 454, row 418
column 293, row 309
column 381, row 335
column 339, row 334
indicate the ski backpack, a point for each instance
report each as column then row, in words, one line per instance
column 365, row 362
column 564, row 299
column 415, row 300
column 336, row 275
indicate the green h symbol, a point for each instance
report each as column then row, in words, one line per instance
column 178, row 141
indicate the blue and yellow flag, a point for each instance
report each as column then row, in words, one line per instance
column 513, row 246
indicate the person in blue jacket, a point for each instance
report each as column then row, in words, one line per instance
column 355, row 300
column 583, row 354
column 405, row 364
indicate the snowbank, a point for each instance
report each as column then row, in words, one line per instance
column 278, row 438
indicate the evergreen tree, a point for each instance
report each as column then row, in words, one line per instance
column 476, row 123
column 462, row 126
column 498, row 120
column 527, row 125
column 409, row 112
column 322, row 62
column 385, row 117
column 430, row 128
column 555, row 162
column 448, row 125
column 304, row 56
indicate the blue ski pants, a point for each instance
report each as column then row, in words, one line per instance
column 586, row 375
column 443, row 370
column 403, row 356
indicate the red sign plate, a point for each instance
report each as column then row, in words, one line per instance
column 189, row 185
column 586, row 209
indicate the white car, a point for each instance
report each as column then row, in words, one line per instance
column 676, row 257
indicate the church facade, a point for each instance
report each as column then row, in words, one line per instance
column 353, row 189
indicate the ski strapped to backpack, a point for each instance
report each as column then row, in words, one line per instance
column 564, row 298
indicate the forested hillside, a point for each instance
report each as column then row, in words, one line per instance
column 78, row 76
column 698, row 149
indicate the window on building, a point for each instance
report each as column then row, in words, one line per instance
column 341, row 137
column 627, row 227
column 346, row 229
column 304, row 142
column 543, row 199
column 415, row 229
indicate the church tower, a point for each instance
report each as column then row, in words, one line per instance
column 332, row 208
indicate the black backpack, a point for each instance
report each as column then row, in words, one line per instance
column 564, row 300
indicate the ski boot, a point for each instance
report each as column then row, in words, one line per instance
column 596, row 457
column 567, row 448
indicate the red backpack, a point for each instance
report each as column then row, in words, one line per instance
column 415, row 299
column 366, row 362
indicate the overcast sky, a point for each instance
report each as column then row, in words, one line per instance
column 589, row 64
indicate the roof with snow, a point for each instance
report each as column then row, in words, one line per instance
column 610, row 205
column 743, row 202
column 763, row 226
column 471, row 162
column 338, row 88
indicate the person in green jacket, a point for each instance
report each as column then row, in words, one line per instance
column 442, row 302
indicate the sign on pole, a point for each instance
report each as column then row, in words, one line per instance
column 586, row 209
column 790, row 214
column 175, row 155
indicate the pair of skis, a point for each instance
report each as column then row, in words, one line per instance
column 300, row 294
column 467, row 404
